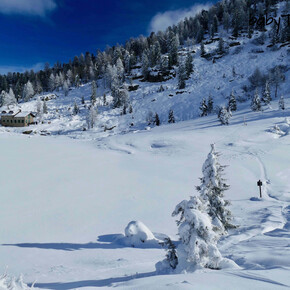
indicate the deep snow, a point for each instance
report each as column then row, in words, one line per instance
column 65, row 203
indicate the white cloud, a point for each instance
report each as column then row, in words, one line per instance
column 27, row 7
column 5, row 69
column 162, row 20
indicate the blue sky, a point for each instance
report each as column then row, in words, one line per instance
column 36, row 31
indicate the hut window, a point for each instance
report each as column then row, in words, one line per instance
column 22, row 121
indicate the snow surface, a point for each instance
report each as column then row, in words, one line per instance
column 63, row 214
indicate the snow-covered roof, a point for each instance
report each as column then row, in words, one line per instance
column 22, row 114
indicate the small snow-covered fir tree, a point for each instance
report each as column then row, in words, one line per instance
column 83, row 100
column 44, row 108
column 212, row 189
column 130, row 109
column 171, row 118
column 224, row 115
column 281, row 103
column 188, row 64
column 266, row 94
column 232, row 102
column 210, row 104
column 256, row 102
column 198, row 239
column 94, row 93
column 181, row 75
column 202, row 49
column 76, row 109
column 92, row 117
column 203, row 108
column 65, row 88
column 39, row 108
column 28, row 91
column 157, row 120
column 171, row 260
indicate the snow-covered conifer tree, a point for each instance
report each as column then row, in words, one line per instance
column 212, row 189
column 76, row 109
column 203, row 108
column 145, row 65
column 210, row 104
column 28, row 91
column 65, row 88
column 156, row 120
column 44, row 108
column 232, row 102
column 92, row 117
column 266, row 94
column 83, row 100
column 188, row 64
column 51, row 82
column 94, row 93
column 181, row 75
column 198, row 239
column 281, row 103
column 8, row 98
column 171, row 118
column 39, row 109
column 224, row 115
column 202, row 49
column 256, row 102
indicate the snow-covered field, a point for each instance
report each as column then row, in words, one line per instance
column 65, row 203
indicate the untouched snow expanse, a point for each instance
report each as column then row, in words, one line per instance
column 65, row 203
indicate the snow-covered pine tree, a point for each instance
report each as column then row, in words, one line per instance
column 145, row 65
column 171, row 255
column 281, row 103
column 202, row 49
column 130, row 109
column 51, row 82
column 171, row 118
column 224, row 115
column 76, row 109
column 8, row 98
column 83, row 100
column 156, row 120
column 203, row 108
column 92, row 117
column 212, row 189
column 188, row 64
column 181, row 75
column 256, row 102
column 221, row 48
column 266, row 94
column 44, row 108
column 104, row 99
column 198, row 239
column 210, row 104
column 94, row 93
column 65, row 88
column 172, row 46
column 232, row 102
column 28, row 91
column 39, row 109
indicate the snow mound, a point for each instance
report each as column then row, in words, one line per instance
column 281, row 129
column 137, row 234
column 10, row 283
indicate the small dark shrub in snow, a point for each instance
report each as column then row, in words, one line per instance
column 171, row 118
